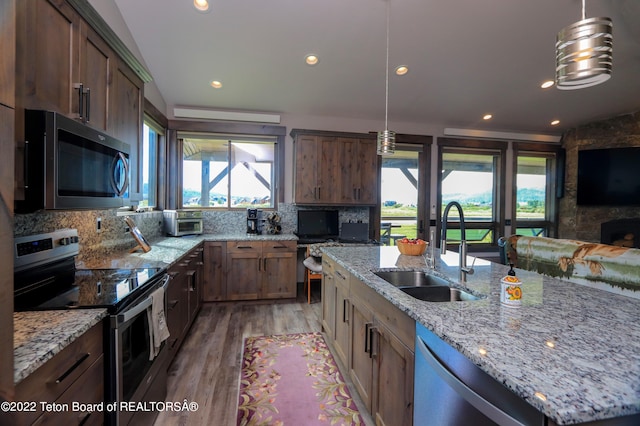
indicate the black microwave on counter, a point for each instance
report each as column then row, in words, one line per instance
column 69, row 165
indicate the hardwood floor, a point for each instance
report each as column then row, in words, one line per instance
column 206, row 370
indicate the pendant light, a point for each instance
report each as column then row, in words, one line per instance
column 386, row 138
column 584, row 53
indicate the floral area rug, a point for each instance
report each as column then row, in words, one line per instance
column 293, row 380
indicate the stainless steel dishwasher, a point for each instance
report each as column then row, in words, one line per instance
column 450, row 390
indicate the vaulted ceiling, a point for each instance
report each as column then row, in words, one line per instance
column 466, row 58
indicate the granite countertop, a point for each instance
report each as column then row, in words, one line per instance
column 39, row 335
column 166, row 251
column 571, row 351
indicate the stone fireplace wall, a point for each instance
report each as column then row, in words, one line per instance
column 583, row 222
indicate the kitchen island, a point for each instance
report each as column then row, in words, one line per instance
column 571, row 351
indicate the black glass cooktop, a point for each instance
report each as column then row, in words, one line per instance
column 113, row 289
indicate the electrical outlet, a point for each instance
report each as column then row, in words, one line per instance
column 99, row 224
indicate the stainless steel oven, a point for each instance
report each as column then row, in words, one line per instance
column 69, row 165
column 46, row 278
column 140, row 377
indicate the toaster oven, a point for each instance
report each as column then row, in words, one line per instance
column 182, row 222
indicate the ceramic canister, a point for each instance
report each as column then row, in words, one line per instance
column 510, row 291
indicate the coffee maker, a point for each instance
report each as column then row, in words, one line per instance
column 253, row 222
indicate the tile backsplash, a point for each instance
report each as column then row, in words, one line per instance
column 113, row 236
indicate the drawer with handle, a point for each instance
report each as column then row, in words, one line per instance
column 53, row 378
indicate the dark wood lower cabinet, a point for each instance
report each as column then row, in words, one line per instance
column 215, row 260
column 377, row 340
column 183, row 297
column 393, row 375
column 361, row 362
column 342, row 312
column 75, row 374
column 250, row 270
column 328, row 299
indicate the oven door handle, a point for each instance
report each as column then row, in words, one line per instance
column 142, row 306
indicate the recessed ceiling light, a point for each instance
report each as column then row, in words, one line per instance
column 487, row 117
column 402, row 70
column 201, row 5
column 555, row 122
column 311, row 59
column 547, row 84
column 216, row 84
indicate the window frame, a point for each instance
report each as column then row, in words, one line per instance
column 421, row 144
column 174, row 154
column 231, row 139
column 159, row 143
column 481, row 147
column 552, row 153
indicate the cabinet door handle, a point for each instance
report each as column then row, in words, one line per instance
column 344, row 311
column 80, row 88
column 264, row 264
column 244, row 247
column 83, row 417
column 192, row 280
column 88, row 104
column 26, row 164
column 372, row 332
column 366, row 337
column 73, row 367
column 340, row 275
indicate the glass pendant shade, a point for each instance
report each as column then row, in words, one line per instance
column 584, row 54
column 386, row 142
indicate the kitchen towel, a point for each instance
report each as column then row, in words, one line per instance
column 158, row 330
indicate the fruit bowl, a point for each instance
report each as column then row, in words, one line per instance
column 412, row 246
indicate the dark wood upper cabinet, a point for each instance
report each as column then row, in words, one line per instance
column 334, row 168
column 65, row 64
column 7, row 118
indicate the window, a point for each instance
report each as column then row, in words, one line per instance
column 228, row 171
column 399, row 192
column 150, row 143
column 472, row 178
column 535, row 200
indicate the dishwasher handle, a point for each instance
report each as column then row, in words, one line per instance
column 473, row 398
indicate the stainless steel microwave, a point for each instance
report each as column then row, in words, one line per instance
column 69, row 165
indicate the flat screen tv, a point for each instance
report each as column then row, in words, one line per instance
column 317, row 223
column 609, row 177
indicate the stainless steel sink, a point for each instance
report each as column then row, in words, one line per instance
column 439, row 294
column 424, row 286
column 411, row 279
